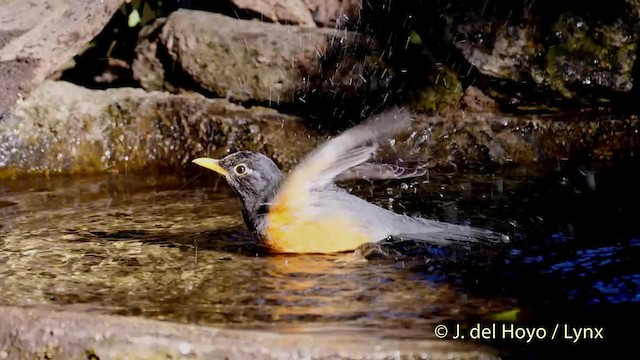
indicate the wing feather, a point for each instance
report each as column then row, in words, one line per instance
column 347, row 150
column 377, row 171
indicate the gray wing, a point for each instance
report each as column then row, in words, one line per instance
column 353, row 147
column 376, row 171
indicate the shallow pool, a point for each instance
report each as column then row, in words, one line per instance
column 175, row 248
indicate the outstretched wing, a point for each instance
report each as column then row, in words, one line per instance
column 353, row 147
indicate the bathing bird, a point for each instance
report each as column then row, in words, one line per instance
column 305, row 211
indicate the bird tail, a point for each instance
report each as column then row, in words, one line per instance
column 446, row 234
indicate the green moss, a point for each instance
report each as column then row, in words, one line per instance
column 444, row 94
column 47, row 352
column 586, row 56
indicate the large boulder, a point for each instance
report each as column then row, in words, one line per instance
column 38, row 37
column 244, row 60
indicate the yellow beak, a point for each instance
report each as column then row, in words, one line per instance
column 211, row 164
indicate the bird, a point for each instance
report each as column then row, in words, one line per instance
column 305, row 211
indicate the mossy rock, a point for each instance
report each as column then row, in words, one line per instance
column 443, row 95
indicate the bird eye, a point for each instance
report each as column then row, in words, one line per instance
column 240, row 169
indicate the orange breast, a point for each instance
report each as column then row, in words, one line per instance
column 289, row 233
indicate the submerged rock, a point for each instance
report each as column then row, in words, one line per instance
column 38, row 38
column 64, row 128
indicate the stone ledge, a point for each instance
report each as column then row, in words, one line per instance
column 66, row 129
column 27, row 333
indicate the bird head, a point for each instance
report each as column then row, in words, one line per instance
column 254, row 178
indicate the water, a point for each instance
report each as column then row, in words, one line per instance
column 175, row 248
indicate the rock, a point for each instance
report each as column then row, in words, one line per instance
column 147, row 68
column 507, row 55
column 542, row 56
column 588, row 54
column 484, row 138
column 324, row 13
column 285, row 11
column 38, row 38
column 571, row 52
column 475, row 100
column 335, row 13
column 576, row 60
column 634, row 5
column 27, row 333
column 443, row 94
column 253, row 61
column 64, row 128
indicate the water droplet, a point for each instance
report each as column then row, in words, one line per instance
column 185, row 348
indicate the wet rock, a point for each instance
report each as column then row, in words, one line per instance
column 335, row 13
column 504, row 58
column 475, row 100
column 591, row 55
column 443, row 94
column 543, row 55
column 38, row 38
column 64, row 128
column 635, row 6
column 485, row 138
column 42, row 333
column 568, row 51
column 253, row 61
column 285, row 11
